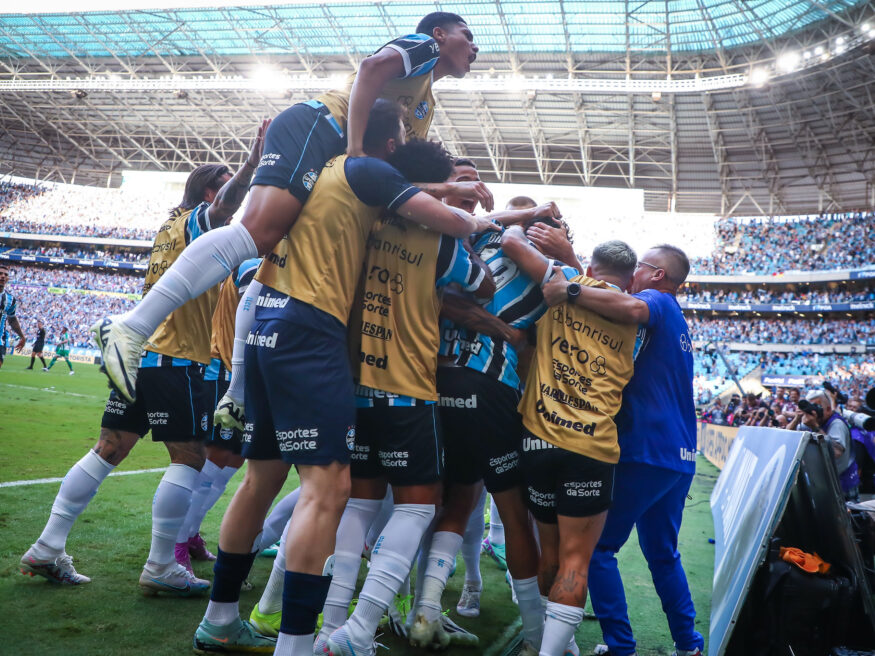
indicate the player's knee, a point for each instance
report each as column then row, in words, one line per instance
column 112, row 446
column 191, row 454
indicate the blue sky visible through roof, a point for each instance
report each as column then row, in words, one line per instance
column 540, row 26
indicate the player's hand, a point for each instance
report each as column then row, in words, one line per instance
column 21, row 343
column 555, row 290
column 484, row 225
column 547, row 211
column 552, row 242
column 516, row 337
column 229, row 414
column 258, row 145
column 474, row 190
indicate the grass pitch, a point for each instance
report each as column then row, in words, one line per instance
column 49, row 420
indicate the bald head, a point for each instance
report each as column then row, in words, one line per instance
column 520, row 203
column 663, row 267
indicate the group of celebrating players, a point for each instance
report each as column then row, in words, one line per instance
column 402, row 354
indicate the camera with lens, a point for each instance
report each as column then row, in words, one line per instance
column 811, row 408
column 841, row 398
column 864, row 417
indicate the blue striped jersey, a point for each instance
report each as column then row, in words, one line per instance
column 8, row 304
column 454, row 265
column 420, row 53
column 517, row 301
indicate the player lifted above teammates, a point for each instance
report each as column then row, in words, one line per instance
column 171, row 400
column 296, row 358
column 300, row 141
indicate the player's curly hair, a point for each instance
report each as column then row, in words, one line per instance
column 207, row 176
column 422, row 161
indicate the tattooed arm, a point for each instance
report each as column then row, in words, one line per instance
column 231, row 195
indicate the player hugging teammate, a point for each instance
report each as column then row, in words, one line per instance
column 379, row 348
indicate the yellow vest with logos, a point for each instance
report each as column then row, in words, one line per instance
column 320, row 260
column 186, row 332
column 396, row 323
column 575, row 384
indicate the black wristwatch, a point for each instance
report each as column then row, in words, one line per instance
column 573, row 290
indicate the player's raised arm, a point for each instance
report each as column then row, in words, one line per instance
column 517, row 247
column 373, row 74
column 231, row 195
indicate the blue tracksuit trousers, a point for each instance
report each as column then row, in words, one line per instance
column 651, row 498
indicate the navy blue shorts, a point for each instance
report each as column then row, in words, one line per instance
column 482, row 428
column 229, row 439
column 172, row 402
column 299, row 400
column 298, row 143
column 562, row 482
column 401, row 444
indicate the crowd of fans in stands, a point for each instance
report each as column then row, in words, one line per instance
column 71, row 278
column 82, row 211
column 782, row 330
column 74, row 310
column 116, row 254
column 737, row 294
column 804, row 243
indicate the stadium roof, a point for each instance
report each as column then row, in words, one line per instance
column 327, row 28
column 728, row 106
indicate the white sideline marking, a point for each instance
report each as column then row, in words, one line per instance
column 505, row 637
column 37, row 481
column 50, row 390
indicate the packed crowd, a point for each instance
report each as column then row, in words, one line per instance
column 798, row 243
column 75, row 311
column 782, row 330
column 852, row 372
column 116, row 254
column 82, row 211
column 708, row 294
column 77, row 279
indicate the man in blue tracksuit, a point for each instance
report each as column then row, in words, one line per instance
column 657, row 435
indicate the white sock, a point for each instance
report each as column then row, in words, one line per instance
column 382, row 518
column 169, row 508
column 471, row 542
column 204, row 263
column 278, row 519
column 531, row 611
column 421, row 567
column 222, row 613
column 354, row 523
column 217, row 489
column 496, row 528
column 272, row 598
column 294, row 645
column 444, row 546
column 243, row 321
column 391, row 560
column 562, row 622
column 77, row 489
column 197, row 510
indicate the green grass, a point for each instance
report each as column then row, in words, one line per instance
column 48, row 422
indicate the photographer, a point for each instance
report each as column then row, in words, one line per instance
column 817, row 414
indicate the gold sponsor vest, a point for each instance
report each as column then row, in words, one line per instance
column 412, row 93
column 186, row 332
column 395, row 323
column 224, row 318
column 320, row 260
column 575, row 384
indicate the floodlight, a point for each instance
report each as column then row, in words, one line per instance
column 267, row 76
column 818, row 50
column 759, row 76
column 788, row 61
column 807, row 54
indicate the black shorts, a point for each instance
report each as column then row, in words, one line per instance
column 2, row 353
column 299, row 400
column 399, row 443
column 172, row 402
column 481, row 427
column 561, row 482
column 38, row 347
column 298, row 143
column 229, row 439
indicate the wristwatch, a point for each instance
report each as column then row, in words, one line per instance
column 573, row 291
